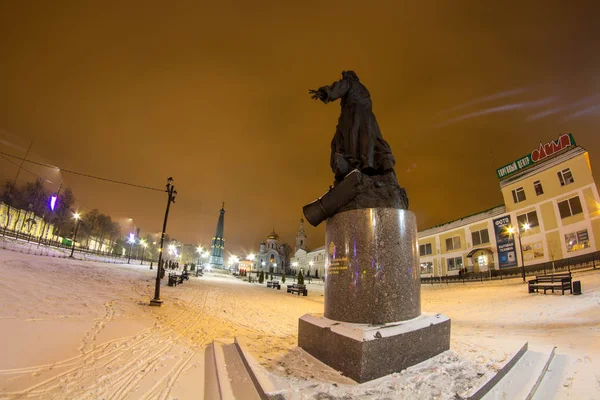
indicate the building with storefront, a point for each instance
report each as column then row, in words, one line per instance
column 551, row 211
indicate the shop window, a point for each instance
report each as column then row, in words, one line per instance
column 480, row 237
column 570, row 207
column 537, row 185
column 425, row 249
column 453, row 243
column 577, row 240
column 529, row 219
column 519, row 195
column 426, row 268
column 455, row 263
column 565, row 177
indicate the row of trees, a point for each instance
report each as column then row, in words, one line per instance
column 32, row 200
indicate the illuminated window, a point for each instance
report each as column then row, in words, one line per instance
column 480, row 237
column 427, row 268
column 529, row 218
column 453, row 243
column 454, row 264
column 537, row 185
column 570, row 207
column 425, row 249
column 565, row 177
column 577, row 240
column 518, row 195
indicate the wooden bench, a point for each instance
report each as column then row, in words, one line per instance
column 274, row 284
column 561, row 281
column 295, row 288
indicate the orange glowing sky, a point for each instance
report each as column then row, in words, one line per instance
column 215, row 95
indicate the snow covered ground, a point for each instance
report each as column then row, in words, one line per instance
column 74, row 329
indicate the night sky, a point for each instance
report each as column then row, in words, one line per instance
column 215, row 95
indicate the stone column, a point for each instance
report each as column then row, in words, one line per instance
column 373, row 324
column 372, row 266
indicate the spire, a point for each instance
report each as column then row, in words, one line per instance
column 301, row 240
column 218, row 242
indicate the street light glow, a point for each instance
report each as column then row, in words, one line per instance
column 526, row 226
column 251, row 257
column 294, row 264
column 76, row 216
column 199, row 249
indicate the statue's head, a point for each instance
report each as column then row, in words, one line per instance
column 350, row 75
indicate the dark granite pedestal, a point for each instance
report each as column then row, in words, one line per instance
column 364, row 352
column 373, row 324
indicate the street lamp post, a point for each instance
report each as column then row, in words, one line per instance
column 251, row 258
column 77, row 218
column 199, row 251
column 156, row 301
column 131, row 241
column 144, row 245
column 518, row 233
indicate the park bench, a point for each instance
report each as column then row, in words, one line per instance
column 175, row 279
column 274, row 284
column 295, row 288
column 561, row 281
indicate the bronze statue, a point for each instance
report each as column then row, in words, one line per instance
column 361, row 159
column 357, row 143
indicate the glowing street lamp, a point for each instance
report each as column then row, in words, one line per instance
column 131, row 241
column 199, row 250
column 77, row 218
column 144, row 245
column 251, row 257
column 518, row 233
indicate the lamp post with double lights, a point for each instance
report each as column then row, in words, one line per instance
column 518, row 233
column 172, row 193
column 77, row 218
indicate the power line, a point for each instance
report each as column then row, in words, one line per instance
column 24, row 169
column 82, row 174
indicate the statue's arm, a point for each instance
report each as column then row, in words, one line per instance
column 331, row 92
column 335, row 90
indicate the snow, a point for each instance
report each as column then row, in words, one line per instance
column 83, row 329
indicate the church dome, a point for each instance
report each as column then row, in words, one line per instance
column 273, row 236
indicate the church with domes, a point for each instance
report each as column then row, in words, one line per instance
column 271, row 257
